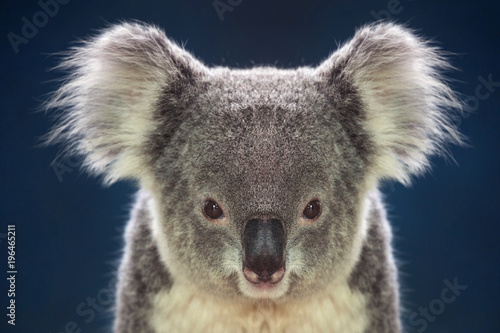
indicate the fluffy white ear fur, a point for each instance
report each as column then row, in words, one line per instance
column 407, row 102
column 107, row 102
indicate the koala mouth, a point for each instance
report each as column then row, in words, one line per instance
column 264, row 252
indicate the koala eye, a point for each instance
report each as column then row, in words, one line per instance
column 312, row 210
column 212, row 210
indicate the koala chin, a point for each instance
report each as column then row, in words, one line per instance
column 258, row 208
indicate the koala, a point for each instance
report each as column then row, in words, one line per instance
column 258, row 208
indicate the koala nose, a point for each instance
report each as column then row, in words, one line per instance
column 264, row 248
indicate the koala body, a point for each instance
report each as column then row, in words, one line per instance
column 258, row 208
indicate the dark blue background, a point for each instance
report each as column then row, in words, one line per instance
column 69, row 227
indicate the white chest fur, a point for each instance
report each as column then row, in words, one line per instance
column 181, row 310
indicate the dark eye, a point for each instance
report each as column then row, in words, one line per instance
column 312, row 210
column 212, row 210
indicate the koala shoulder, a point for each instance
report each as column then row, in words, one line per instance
column 141, row 272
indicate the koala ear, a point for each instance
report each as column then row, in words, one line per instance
column 122, row 85
column 407, row 106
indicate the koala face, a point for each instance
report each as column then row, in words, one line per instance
column 258, row 177
column 263, row 153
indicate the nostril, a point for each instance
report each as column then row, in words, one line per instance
column 251, row 276
column 277, row 276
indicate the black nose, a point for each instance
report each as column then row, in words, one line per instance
column 264, row 246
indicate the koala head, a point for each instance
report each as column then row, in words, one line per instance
column 258, row 176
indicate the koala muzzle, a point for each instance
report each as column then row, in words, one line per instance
column 264, row 251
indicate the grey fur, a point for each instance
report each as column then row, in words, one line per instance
column 141, row 272
column 261, row 142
